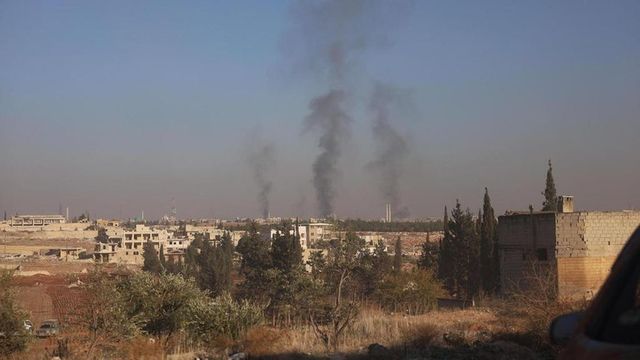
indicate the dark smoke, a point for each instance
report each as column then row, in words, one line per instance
column 327, row 39
column 328, row 116
column 392, row 148
column 261, row 159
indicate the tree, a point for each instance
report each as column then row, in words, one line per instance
column 459, row 261
column 397, row 257
column 429, row 255
column 411, row 292
column 102, row 236
column 287, row 275
column 163, row 261
column 445, row 254
column 102, row 314
column 161, row 305
column 14, row 336
column 225, row 264
column 151, row 261
column 330, row 321
column 550, row 198
column 256, row 261
column 488, row 245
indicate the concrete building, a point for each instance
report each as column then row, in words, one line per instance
column 577, row 248
column 36, row 221
column 66, row 253
column 126, row 246
column 314, row 232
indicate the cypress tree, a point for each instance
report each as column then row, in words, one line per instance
column 488, row 250
column 225, row 263
column 397, row 258
column 429, row 255
column 163, row 262
column 550, row 198
column 465, row 245
column 444, row 254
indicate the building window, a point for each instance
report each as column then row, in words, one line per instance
column 541, row 254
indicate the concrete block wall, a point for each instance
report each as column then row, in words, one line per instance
column 587, row 245
column 519, row 237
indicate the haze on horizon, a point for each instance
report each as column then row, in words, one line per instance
column 123, row 106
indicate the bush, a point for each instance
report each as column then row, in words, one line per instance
column 412, row 292
column 222, row 317
column 13, row 337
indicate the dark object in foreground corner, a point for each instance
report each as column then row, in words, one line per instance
column 610, row 327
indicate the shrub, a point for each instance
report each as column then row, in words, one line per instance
column 222, row 317
column 413, row 292
column 13, row 337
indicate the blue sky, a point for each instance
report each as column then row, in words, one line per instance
column 115, row 107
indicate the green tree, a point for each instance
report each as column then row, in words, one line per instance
column 222, row 317
column 225, row 264
column 255, row 252
column 14, row 336
column 152, row 262
column 161, row 305
column 102, row 313
column 397, row 257
column 287, row 276
column 488, row 246
column 466, row 247
column 429, row 255
column 446, row 255
column 330, row 320
column 550, row 198
column 413, row 292
column 102, row 236
column 317, row 263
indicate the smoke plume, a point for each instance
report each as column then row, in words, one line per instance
column 261, row 159
column 392, row 148
column 327, row 39
column 328, row 116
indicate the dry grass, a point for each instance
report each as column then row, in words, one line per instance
column 390, row 330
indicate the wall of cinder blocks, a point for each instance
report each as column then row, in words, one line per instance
column 520, row 235
column 580, row 246
column 587, row 245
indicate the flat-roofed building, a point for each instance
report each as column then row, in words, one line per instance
column 573, row 249
column 129, row 244
column 36, row 221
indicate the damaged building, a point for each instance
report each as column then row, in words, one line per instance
column 573, row 249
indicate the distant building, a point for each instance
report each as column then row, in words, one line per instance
column 36, row 221
column 108, row 223
column 127, row 246
column 577, row 248
column 66, row 253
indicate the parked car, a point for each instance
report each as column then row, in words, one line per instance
column 610, row 327
column 48, row 328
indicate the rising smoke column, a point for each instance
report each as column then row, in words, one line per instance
column 328, row 37
column 261, row 159
column 392, row 148
column 328, row 116
column 329, row 33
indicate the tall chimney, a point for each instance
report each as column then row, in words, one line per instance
column 67, row 217
column 387, row 215
column 565, row 204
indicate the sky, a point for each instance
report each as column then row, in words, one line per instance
column 126, row 106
